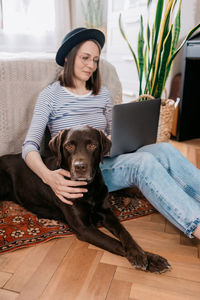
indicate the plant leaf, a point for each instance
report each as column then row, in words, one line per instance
column 186, row 38
column 148, row 36
column 172, row 10
column 158, row 59
column 152, row 35
column 177, row 29
column 160, row 43
column 167, row 45
column 140, row 53
column 169, row 64
column 166, row 28
column 146, row 65
column 155, row 33
column 145, row 62
column 149, row 3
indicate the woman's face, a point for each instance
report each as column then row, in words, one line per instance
column 86, row 61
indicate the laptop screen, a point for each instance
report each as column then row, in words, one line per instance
column 134, row 125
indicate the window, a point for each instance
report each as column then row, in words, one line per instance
column 33, row 25
column 33, row 17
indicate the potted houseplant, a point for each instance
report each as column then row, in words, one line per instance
column 156, row 52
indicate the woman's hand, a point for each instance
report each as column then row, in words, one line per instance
column 63, row 188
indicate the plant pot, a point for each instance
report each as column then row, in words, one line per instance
column 165, row 120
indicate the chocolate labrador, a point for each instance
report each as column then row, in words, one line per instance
column 78, row 150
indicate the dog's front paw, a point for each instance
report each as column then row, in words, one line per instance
column 157, row 263
column 138, row 258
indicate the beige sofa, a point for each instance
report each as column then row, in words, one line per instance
column 22, row 77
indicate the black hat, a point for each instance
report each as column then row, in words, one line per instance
column 74, row 38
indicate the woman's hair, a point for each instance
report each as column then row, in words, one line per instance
column 66, row 77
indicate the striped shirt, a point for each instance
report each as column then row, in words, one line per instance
column 58, row 109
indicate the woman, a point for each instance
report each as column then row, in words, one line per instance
column 168, row 180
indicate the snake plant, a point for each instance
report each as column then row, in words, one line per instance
column 157, row 50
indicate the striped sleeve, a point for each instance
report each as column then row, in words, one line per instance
column 42, row 111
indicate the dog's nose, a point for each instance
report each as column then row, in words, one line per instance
column 80, row 166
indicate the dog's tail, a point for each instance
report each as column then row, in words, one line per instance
column 5, row 186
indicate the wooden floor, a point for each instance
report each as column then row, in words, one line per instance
column 68, row 269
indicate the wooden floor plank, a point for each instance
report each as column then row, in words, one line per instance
column 30, row 264
column 191, row 155
column 158, row 218
column 90, row 275
column 146, row 224
column 68, row 280
column 163, row 281
column 187, row 271
column 172, row 248
column 170, row 228
column 141, row 292
column 4, row 277
column 198, row 158
column 147, row 234
column 182, row 147
column 40, row 278
column 99, row 284
column 184, row 240
column 13, row 260
column 8, row 295
column 119, row 290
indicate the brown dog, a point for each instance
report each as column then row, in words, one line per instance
column 78, row 150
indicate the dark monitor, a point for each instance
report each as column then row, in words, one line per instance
column 188, row 126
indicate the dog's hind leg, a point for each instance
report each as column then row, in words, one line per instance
column 5, row 186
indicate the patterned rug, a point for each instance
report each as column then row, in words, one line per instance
column 19, row 228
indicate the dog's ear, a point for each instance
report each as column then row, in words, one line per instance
column 105, row 145
column 55, row 145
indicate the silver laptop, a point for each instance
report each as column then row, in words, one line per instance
column 134, row 125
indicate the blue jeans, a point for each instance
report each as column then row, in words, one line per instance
column 165, row 177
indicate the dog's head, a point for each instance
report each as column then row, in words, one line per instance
column 80, row 150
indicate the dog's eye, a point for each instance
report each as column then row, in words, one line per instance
column 70, row 147
column 91, row 146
